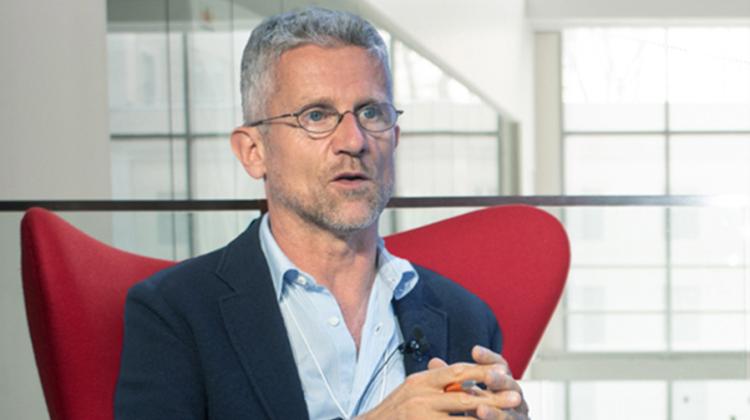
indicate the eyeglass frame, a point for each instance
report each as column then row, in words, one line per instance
column 341, row 115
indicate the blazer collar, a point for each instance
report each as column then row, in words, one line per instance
column 256, row 328
column 418, row 311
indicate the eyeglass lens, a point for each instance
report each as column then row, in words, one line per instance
column 371, row 117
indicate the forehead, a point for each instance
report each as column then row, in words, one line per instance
column 338, row 74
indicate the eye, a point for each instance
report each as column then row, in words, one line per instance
column 316, row 115
column 371, row 112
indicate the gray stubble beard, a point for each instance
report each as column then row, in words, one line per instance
column 323, row 213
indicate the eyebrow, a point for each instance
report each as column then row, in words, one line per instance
column 328, row 103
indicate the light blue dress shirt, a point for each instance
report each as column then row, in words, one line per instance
column 336, row 381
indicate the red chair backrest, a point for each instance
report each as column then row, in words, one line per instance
column 515, row 258
column 75, row 288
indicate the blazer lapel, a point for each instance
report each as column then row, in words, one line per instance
column 256, row 327
column 415, row 313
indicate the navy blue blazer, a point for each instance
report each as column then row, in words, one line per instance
column 205, row 339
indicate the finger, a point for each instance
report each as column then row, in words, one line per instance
column 502, row 399
column 485, row 356
column 457, row 402
column 485, row 412
column 498, row 381
column 457, row 372
column 436, row 363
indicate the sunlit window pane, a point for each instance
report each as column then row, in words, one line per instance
column 216, row 173
column 145, row 93
column 212, row 68
column 616, row 236
column 642, row 400
column 704, row 164
column 447, row 165
column 613, row 79
column 709, row 332
column 214, row 229
column 148, row 169
column 710, row 236
column 700, row 400
column 616, row 289
column 709, row 78
column 614, row 165
column 709, row 289
column 433, row 100
column 156, row 234
column 546, row 399
column 616, row 332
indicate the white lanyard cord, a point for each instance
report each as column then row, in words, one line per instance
column 315, row 360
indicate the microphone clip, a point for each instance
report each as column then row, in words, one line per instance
column 417, row 346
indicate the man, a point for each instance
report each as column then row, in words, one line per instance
column 306, row 314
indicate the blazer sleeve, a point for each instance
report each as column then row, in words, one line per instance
column 160, row 370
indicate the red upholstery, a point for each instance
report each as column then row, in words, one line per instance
column 514, row 257
column 75, row 289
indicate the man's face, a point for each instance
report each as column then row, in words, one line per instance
column 339, row 181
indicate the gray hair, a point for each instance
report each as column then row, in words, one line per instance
column 280, row 33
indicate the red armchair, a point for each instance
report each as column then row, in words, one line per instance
column 514, row 257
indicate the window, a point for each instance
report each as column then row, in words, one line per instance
column 657, row 111
column 175, row 98
column 657, row 309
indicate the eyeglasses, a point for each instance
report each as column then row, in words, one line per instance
column 321, row 119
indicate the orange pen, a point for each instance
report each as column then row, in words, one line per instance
column 465, row 386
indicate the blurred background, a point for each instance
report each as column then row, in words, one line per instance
column 593, row 103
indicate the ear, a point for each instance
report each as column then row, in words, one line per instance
column 248, row 147
column 396, row 135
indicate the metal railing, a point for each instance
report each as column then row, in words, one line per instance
column 396, row 202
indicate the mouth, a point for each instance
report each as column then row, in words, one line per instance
column 351, row 180
column 351, row 177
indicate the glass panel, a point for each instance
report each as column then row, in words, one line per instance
column 614, row 165
column 709, row 289
column 700, row 400
column 710, row 332
column 432, row 99
column 216, row 173
column 616, row 289
column 710, row 164
column 596, row 332
column 710, row 236
column 616, row 236
column 709, row 78
column 447, row 165
column 213, row 229
column 148, row 169
column 397, row 220
column 546, row 399
column 642, row 400
column 614, row 79
column 155, row 234
column 212, row 69
column 145, row 89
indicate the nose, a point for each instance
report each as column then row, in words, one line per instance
column 349, row 137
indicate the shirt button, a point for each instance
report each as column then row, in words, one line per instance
column 333, row 321
column 378, row 327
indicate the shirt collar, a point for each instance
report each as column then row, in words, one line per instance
column 397, row 274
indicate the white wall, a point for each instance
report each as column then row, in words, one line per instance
column 53, row 145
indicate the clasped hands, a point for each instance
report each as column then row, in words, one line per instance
column 422, row 394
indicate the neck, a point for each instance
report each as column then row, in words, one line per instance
column 344, row 264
